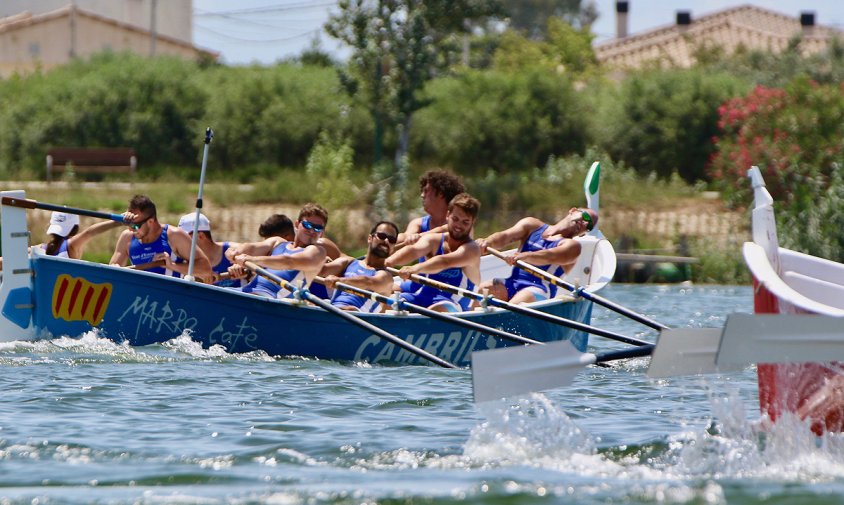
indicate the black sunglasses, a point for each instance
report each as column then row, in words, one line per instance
column 385, row 236
column 312, row 227
column 137, row 225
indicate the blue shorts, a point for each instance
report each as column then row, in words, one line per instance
column 427, row 296
column 540, row 291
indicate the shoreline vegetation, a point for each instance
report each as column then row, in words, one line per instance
column 639, row 215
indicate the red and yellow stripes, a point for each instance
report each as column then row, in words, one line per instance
column 75, row 299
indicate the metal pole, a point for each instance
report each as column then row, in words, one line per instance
column 208, row 136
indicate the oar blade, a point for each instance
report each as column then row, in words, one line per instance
column 687, row 351
column 781, row 338
column 498, row 373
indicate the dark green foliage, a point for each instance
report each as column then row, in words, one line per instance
column 664, row 121
column 483, row 120
column 110, row 101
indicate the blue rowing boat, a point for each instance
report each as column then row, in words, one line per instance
column 45, row 296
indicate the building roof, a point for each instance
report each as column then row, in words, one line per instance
column 27, row 19
column 745, row 26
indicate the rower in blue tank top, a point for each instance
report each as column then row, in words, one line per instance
column 549, row 247
column 437, row 188
column 451, row 257
column 140, row 253
column 367, row 274
column 297, row 262
column 147, row 240
column 265, row 287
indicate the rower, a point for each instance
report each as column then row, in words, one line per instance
column 451, row 257
column 550, row 247
column 215, row 251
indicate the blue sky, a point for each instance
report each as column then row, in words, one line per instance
column 264, row 31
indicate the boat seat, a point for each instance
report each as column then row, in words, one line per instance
column 819, row 290
column 812, row 266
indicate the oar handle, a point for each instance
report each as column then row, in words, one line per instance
column 26, row 203
column 350, row 317
column 553, row 279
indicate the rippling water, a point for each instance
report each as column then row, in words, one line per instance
column 86, row 420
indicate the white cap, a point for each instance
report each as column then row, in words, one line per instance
column 186, row 222
column 61, row 223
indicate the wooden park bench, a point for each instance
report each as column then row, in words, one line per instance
column 91, row 160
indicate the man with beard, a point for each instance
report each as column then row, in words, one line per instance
column 367, row 274
column 451, row 257
column 296, row 261
column 549, row 247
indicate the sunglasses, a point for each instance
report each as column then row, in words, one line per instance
column 385, row 236
column 586, row 217
column 312, row 227
column 137, row 225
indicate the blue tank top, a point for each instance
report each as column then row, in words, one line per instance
column 265, row 287
column 453, row 276
column 535, row 242
column 345, row 299
column 140, row 253
column 410, row 286
column 223, row 267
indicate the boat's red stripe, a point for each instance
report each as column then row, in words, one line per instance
column 60, row 298
column 85, row 301
column 99, row 305
column 73, row 296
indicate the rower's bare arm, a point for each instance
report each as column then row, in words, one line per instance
column 565, row 253
column 413, row 227
column 412, row 252
column 516, row 233
column 121, row 249
column 381, row 282
column 262, row 248
column 310, row 259
column 76, row 243
column 180, row 242
column 467, row 255
column 336, row 266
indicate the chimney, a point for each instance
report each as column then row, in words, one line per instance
column 684, row 19
column 807, row 22
column 621, row 9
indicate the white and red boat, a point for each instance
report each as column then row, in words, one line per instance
column 789, row 282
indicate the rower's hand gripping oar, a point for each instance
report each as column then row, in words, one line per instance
column 522, row 310
column 348, row 316
column 433, row 314
column 26, row 203
column 553, row 279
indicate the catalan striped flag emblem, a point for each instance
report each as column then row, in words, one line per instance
column 76, row 299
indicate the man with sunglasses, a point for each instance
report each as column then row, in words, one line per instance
column 147, row 240
column 550, row 247
column 367, row 274
column 297, row 262
column 451, row 258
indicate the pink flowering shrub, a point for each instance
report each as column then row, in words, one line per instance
column 793, row 134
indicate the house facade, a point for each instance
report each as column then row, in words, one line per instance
column 35, row 37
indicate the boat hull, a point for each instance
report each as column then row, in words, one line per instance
column 72, row 297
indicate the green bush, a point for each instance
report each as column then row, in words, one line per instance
column 663, row 121
column 481, row 120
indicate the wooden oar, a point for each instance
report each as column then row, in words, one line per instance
column 498, row 373
column 433, row 314
column 523, row 310
column 27, row 203
column 553, row 279
column 348, row 316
